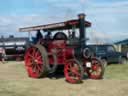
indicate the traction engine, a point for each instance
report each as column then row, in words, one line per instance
column 48, row 52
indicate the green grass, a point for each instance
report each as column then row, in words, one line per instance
column 116, row 71
column 15, row 82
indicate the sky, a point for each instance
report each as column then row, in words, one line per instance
column 109, row 18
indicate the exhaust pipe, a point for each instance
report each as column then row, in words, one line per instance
column 81, row 18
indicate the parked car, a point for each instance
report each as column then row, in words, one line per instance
column 108, row 54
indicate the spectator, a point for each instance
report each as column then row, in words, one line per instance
column 2, row 55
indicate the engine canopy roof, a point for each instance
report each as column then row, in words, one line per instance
column 55, row 26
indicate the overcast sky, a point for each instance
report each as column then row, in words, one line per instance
column 109, row 17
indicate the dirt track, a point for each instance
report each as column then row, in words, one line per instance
column 15, row 82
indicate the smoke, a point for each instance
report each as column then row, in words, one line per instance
column 70, row 13
column 99, row 37
column 83, row 1
column 83, row 5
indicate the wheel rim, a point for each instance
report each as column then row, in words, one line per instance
column 73, row 72
column 34, row 62
column 96, row 70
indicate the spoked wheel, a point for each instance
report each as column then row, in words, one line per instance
column 34, row 62
column 97, row 69
column 73, row 71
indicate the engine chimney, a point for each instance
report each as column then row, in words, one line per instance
column 82, row 29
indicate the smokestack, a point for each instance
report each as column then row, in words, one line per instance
column 82, row 29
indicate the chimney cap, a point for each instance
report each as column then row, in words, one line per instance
column 81, row 15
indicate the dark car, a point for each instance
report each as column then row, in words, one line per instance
column 108, row 54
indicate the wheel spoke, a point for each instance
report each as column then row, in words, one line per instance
column 34, row 68
column 71, row 65
column 30, row 55
column 39, row 57
column 39, row 68
column 76, row 72
column 37, row 53
column 77, row 75
column 33, row 51
column 68, row 68
column 39, row 62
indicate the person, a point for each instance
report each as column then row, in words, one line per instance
column 70, row 34
column 39, row 35
column 48, row 35
column 2, row 55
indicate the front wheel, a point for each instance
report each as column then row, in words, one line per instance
column 96, row 71
column 73, row 71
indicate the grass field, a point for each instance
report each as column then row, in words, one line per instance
column 15, row 82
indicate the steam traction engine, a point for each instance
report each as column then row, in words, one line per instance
column 48, row 52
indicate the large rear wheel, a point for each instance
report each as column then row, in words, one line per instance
column 73, row 71
column 35, row 62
